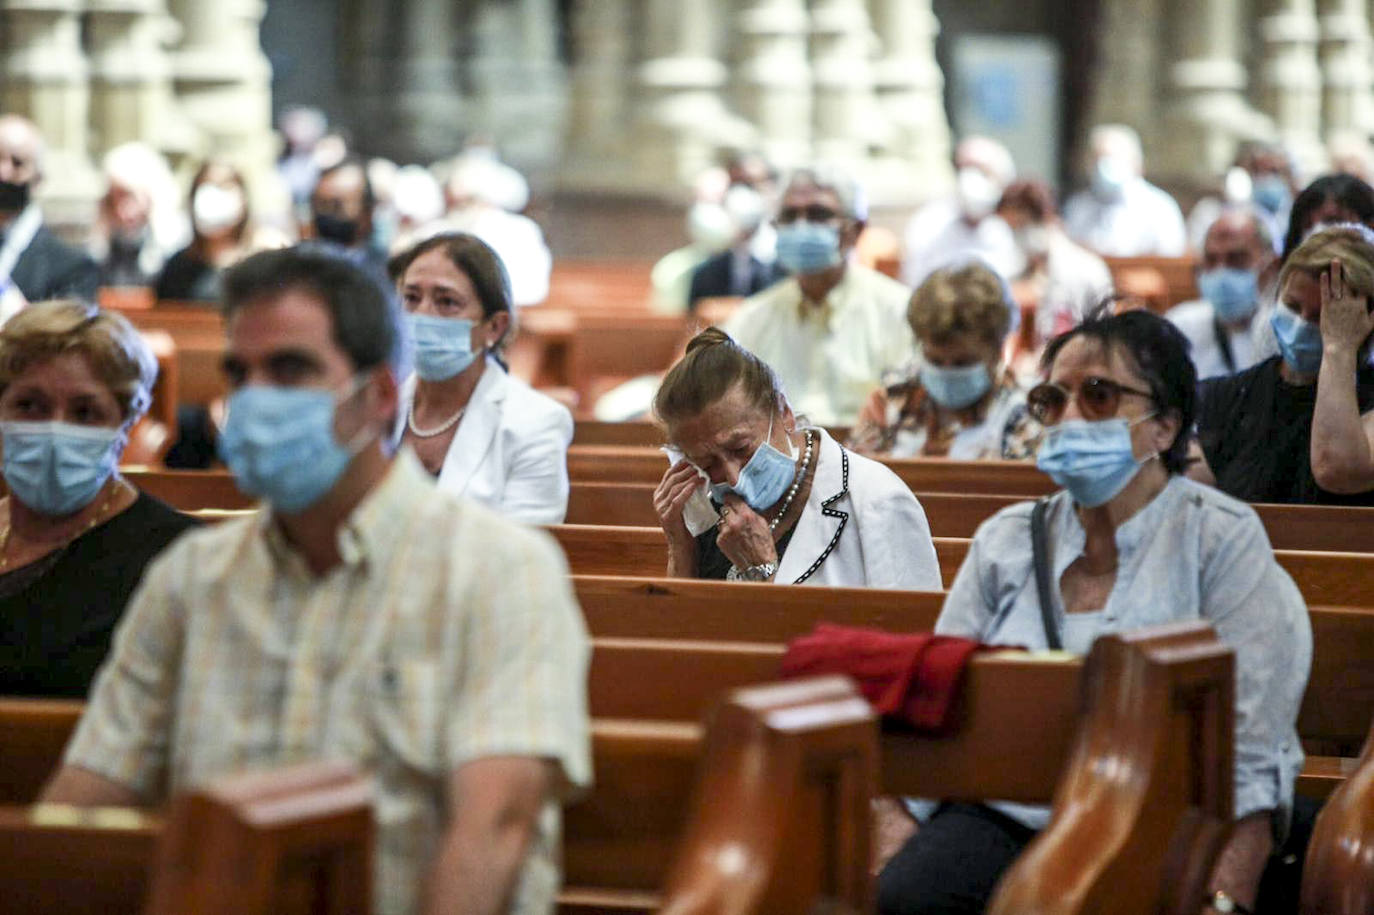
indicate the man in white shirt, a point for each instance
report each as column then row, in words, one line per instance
column 1121, row 214
column 834, row 327
column 1237, row 255
column 965, row 224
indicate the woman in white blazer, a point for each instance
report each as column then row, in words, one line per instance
column 753, row 496
column 485, row 435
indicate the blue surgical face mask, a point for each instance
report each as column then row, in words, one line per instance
column 1093, row 460
column 1270, row 192
column 1300, row 341
column 443, row 346
column 1234, row 294
column 1109, row 178
column 808, row 247
column 958, row 387
column 57, row 468
column 762, row 481
column 279, row 444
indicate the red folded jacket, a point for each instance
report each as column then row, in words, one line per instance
column 912, row 678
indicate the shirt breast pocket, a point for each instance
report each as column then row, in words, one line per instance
column 404, row 714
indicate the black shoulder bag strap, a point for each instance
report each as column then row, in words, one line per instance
column 1041, row 558
column 1224, row 342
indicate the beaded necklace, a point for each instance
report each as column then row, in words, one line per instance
column 796, row 485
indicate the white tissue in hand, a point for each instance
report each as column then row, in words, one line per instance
column 698, row 514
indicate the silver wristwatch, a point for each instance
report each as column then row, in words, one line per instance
column 761, row 572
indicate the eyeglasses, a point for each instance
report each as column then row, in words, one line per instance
column 1097, row 398
column 814, row 213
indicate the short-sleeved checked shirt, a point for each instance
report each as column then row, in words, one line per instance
column 447, row 634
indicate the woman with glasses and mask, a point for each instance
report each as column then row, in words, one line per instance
column 1128, row 542
column 485, row 434
column 962, row 402
column 753, row 494
column 74, row 535
column 1288, row 428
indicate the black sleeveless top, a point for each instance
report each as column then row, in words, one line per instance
column 1256, row 430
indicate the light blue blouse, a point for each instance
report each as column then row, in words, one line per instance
column 1191, row 553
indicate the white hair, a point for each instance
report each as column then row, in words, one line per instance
column 828, row 177
column 990, row 155
column 1118, row 139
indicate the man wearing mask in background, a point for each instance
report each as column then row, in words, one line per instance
column 736, row 271
column 1062, row 281
column 832, row 328
column 1237, row 259
column 362, row 614
column 964, row 225
column 1121, row 214
column 341, row 217
column 34, row 264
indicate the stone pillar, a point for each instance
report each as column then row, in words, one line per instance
column 1345, row 68
column 1206, row 113
column 1129, row 62
column 911, row 92
column 599, row 109
column 224, row 85
column 682, row 120
column 518, row 80
column 131, row 76
column 45, row 77
column 846, row 118
column 773, row 79
column 1290, row 81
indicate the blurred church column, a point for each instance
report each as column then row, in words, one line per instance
column 773, row 78
column 1128, row 73
column 1290, row 80
column 45, row 78
column 224, row 84
column 1345, row 67
column 682, row 121
column 1205, row 109
column 911, row 89
column 599, row 108
column 847, row 121
column 518, row 81
column 131, row 76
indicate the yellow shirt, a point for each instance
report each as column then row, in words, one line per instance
column 446, row 634
column 831, row 355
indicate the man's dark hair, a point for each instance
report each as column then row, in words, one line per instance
column 1159, row 353
column 363, row 320
column 369, row 196
column 1348, row 191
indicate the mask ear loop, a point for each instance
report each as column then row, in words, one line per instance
column 1131, row 424
column 364, row 436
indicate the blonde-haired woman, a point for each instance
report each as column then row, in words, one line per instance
column 961, row 402
column 74, row 535
column 1298, row 426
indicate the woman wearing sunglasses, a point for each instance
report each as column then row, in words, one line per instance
column 754, row 494
column 1128, row 542
column 962, row 403
column 1297, row 426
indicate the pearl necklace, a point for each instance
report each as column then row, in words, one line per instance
column 437, row 430
column 102, row 515
column 796, row 485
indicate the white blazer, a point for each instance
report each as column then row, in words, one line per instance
column 861, row 528
column 510, row 451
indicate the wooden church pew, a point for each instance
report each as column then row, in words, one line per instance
column 295, row 841
column 1338, row 875
column 957, row 514
column 994, row 726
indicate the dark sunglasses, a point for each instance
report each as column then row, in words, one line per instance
column 1098, row 398
column 814, row 213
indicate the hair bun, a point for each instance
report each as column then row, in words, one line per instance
column 711, row 336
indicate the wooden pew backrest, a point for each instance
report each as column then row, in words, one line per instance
column 294, row 841
column 33, row 734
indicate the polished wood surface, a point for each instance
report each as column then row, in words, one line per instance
column 293, row 841
column 33, row 734
column 1338, row 875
